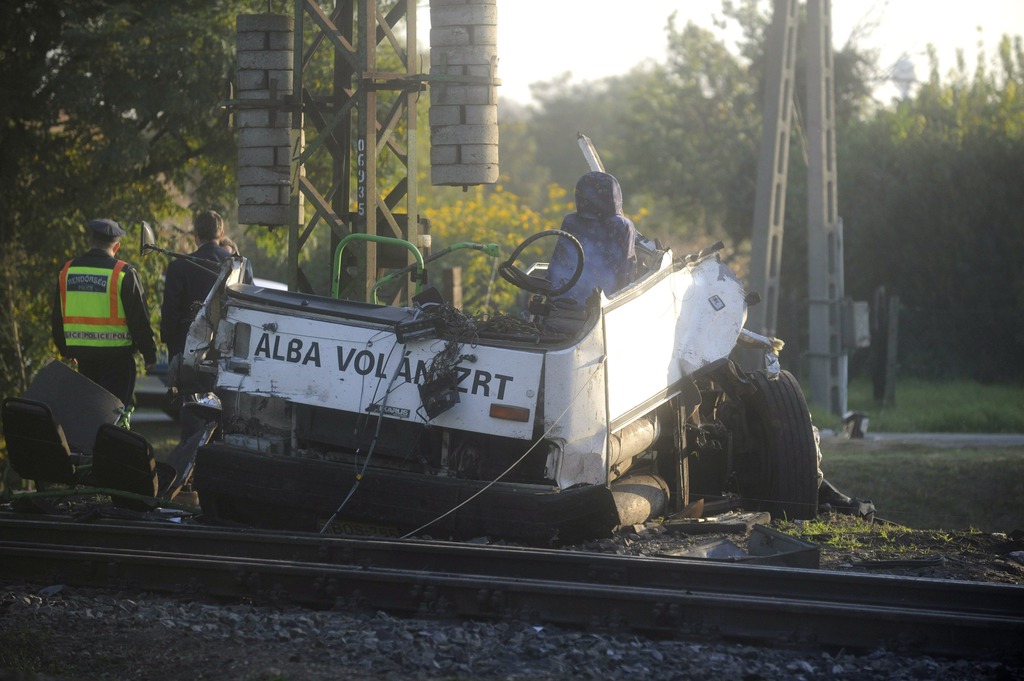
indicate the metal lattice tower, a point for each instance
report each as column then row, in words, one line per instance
column 770, row 201
column 383, row 103
column 327, row 115
column 345, row 109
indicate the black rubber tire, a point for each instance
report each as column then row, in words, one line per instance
column 779, row 472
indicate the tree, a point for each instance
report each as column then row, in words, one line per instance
column 105, row 111
column 938, row 220
column 694, row 124
column 493, row 215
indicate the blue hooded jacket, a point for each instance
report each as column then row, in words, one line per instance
column 607, row 238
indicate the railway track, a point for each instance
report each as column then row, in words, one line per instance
column 662, row 597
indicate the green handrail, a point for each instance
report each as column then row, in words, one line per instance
column 489, row 249
column 492, row 250
column 336, row 283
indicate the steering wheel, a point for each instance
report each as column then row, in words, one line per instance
column 540, row 285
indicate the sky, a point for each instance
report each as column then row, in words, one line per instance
column 539, row 40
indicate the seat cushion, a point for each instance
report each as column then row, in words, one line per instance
column 123, row 460
column 36, row 445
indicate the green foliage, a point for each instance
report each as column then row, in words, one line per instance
column 936, row 178
column 106, row 112
column 959, row 406
column 693, row 123
column 522, row 173
column 928, row 186
column 486, row 215
column 563, row 110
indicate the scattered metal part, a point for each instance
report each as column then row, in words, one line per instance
column 764, row 547
column 726, row 523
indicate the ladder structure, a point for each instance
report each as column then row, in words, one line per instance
column 826, row 358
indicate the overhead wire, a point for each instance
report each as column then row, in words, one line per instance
column 373, row 442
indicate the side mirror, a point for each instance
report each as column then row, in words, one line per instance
column 148, row 243
column 148, row 239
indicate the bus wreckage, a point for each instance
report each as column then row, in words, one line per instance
column 338, row 414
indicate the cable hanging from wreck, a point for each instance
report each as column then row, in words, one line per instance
column 515, row 463
column 461, row 329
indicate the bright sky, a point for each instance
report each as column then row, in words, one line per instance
column 540, row 39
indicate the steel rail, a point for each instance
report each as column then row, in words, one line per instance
column 807, row 621
column 666, row 597
column 518, row 562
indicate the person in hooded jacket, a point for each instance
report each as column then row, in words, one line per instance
column 607, row 237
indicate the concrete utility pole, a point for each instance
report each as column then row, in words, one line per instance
column 826, row 355
column 827, row 359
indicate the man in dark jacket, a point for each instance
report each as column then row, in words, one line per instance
column 100, row 316
column 188, row 283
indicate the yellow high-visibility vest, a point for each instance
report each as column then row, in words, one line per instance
column 91, row 305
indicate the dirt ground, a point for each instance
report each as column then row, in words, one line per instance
column 848, row 544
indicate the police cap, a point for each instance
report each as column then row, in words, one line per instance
column 106, row 227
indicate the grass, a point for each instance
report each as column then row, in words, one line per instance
column 841, row 537
column 932, row 487
column 163, row 435
column 930, row 407
column 853, row 539
column 926, row 487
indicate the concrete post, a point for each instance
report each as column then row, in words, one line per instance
column 773, row 166
column 463, row 92
column 264, row 80
column 827, row 362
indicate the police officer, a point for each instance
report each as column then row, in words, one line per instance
column 100, row 317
